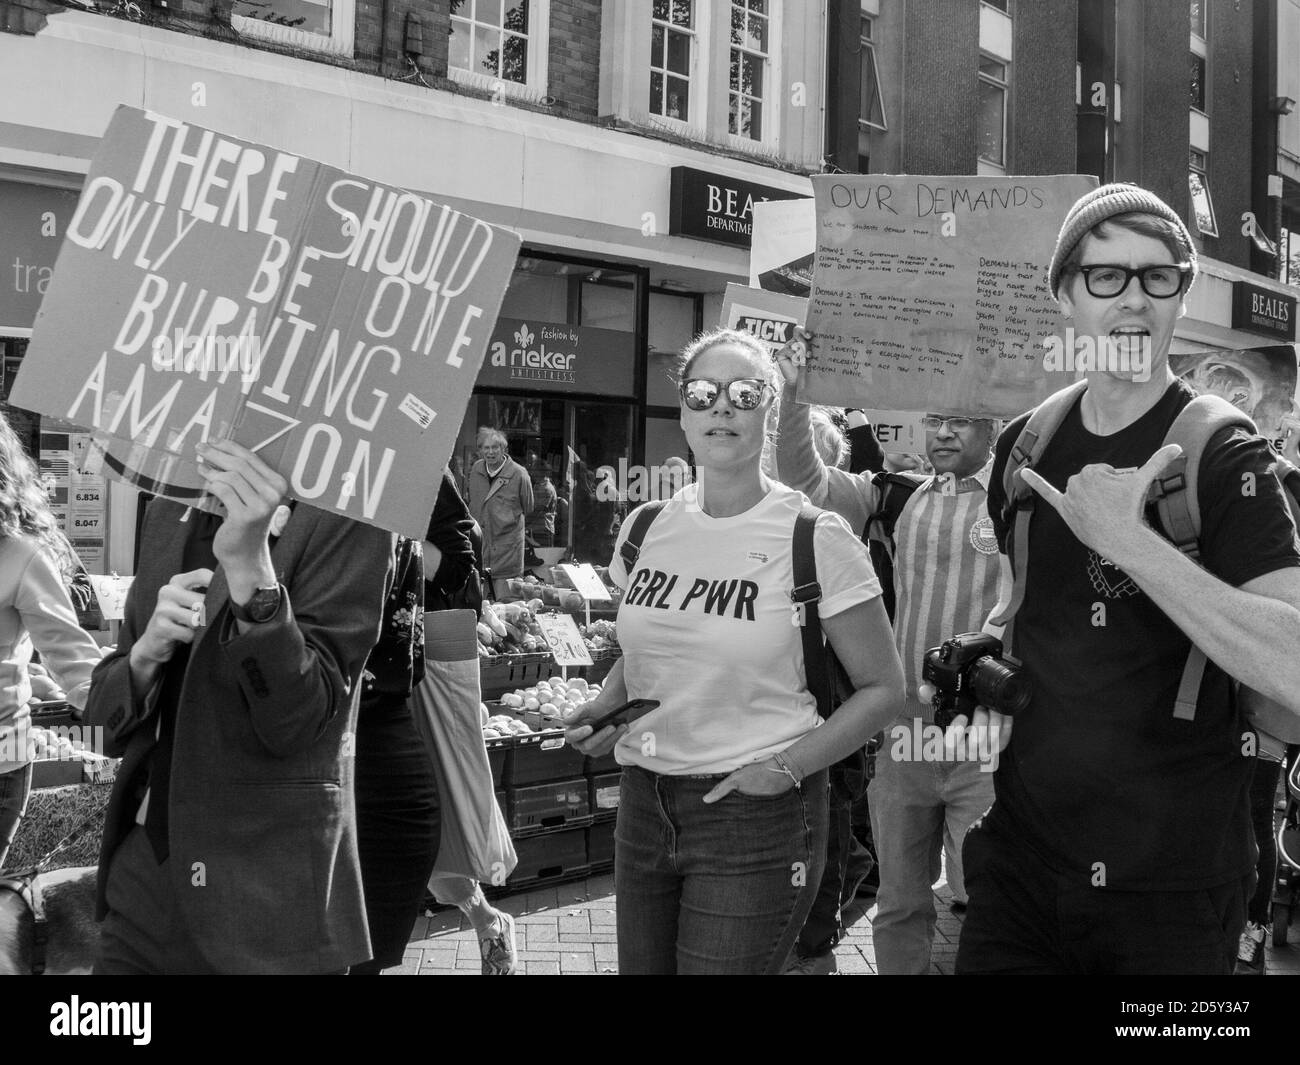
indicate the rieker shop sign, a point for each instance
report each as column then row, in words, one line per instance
column 554, row 357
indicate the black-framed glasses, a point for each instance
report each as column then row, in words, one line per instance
column 933, row 423
column 699, row 393
column 1104, row 280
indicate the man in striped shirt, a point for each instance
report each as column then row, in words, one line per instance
column 945, row 582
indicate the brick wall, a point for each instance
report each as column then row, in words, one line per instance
column 939, row 81
column 574, row 57
column 1042, row 92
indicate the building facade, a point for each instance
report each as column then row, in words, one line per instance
column 624, row 141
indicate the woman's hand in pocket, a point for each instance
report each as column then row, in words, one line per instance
column 764, row 778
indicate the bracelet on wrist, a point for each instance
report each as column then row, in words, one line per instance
column 783, row 766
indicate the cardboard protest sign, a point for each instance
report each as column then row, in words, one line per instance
column 782, row 246
column 770, row 316
column 210, row 288
column 930, row 293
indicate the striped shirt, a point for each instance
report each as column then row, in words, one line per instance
column 945, row 568
column 946, row 560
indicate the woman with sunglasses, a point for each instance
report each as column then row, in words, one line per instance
column 722, row 819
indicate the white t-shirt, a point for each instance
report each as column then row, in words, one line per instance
column 706, row 628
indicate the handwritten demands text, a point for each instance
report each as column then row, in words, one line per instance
column 356, row 302
column 930, row 293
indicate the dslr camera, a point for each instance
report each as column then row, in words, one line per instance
column 968, row 671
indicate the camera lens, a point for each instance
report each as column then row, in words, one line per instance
column 1000, row 686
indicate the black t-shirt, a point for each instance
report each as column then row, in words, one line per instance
column 1099, row 770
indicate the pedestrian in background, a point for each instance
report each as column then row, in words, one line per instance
column 36, row 564
column 500, row 498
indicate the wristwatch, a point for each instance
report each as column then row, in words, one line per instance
column 261, row 607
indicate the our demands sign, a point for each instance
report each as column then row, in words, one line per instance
column 552, row 357
column 211, row 288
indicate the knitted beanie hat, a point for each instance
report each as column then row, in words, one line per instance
column 1107, row 202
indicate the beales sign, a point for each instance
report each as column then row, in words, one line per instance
column 1262, row 310
column 553, row 357
column 714, row 207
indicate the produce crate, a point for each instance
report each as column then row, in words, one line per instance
column 541, row 758
column 604, row 793
column 600, row 843
column 553, row 805
column 497, row 751
column 503, row 673
column 550, row 856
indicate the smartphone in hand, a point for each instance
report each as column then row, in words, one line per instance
column 621, row 715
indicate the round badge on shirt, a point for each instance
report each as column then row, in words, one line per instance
column 982, row 536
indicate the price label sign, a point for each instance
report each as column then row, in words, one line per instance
column 88, row 497
column 583, row 577
column 86, row 523
column 563, row 638
column 111, row 593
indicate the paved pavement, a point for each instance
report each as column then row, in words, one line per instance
column 569, row 929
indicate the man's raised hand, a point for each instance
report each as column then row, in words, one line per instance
column 1102, row 505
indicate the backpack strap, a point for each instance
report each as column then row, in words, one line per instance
column 805, row 595
column 894, row 490
column 640, row 524
column 1177, row 503
column 1034, row 437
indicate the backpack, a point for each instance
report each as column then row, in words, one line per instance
column 1174, row 494
column 824, row 675
column 894, row 490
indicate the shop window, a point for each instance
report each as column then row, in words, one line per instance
column 871, row 110
column 1202, row 203
column 747, row 96
column 608, row 301
column 672, row 58
column 315, row 25
column 991, row 128
column 1197, row 88
column 673, row 324
column 499, row 43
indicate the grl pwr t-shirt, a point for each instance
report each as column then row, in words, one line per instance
column 705, row 626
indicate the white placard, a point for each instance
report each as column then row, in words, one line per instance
column 583, row 577
column 111, row 593
column 563, row 638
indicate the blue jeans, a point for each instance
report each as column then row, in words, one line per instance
column 15, row 787
column 916, row 808
column 721, row 888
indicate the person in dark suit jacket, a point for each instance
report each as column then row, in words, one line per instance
column 229, row 844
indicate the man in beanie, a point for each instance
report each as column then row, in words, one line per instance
column 1120, row 838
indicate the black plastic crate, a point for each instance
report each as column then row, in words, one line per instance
column 550, row 805
column 551, row 855
column 604, row 793
column 600, row 843
column 539, row 759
